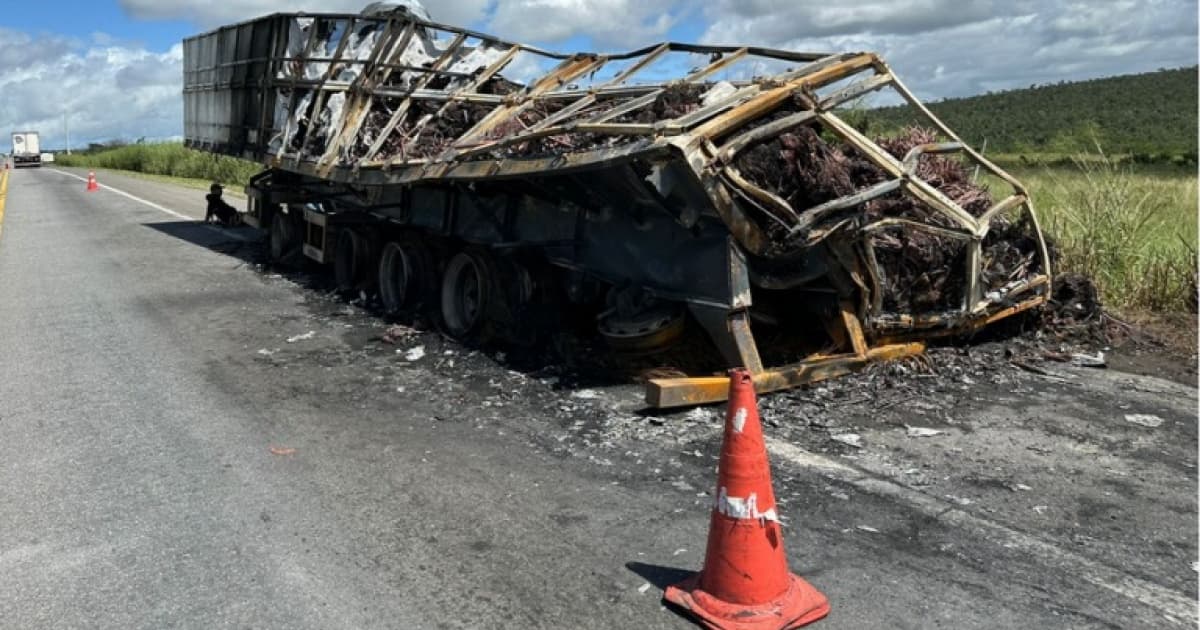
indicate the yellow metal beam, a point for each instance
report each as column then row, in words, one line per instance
column 680, row 392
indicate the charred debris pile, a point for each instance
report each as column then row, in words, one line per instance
column 921, row 271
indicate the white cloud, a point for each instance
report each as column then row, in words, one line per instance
column 621, row 23
column 940, row 47
column 108, row 91
column 953, row 48
column 736, row 22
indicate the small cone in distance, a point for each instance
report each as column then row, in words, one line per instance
column 745, row 583
column 91, row 184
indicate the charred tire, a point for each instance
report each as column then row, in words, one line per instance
column 285, row 240
column 646, row 332
column 468, row 289
column 407, row 275
column 352, row 261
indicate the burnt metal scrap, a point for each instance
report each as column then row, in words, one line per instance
column 752, row 139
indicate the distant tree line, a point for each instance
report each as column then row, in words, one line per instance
column 1147, row 117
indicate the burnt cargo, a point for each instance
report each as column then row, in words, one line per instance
column 722, row 185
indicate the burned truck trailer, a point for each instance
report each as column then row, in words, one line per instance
column 480, row 178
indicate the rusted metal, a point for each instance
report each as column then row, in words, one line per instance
column 587, row 115
column 682, row 392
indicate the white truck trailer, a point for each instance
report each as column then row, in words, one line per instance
column 26, row 149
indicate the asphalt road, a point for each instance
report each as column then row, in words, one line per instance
column 189, row 440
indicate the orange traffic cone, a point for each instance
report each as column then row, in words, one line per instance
column 92, row 185
column 745, row 583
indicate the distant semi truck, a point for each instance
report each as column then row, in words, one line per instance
column 27, row 149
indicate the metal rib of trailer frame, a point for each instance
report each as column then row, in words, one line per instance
column 566, row 71
column 362, row 88
column 469, row 88
column 403, row 108
column 593, row 95
column 640, row 102
column 986, row 163
column 293, row 96
column 331, row 67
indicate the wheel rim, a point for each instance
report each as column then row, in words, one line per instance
column 464, row 295
column 395, row 273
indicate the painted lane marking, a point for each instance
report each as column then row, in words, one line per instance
column 160, row 208
column 3, row 196
column 1168, row 602
column 125, row 194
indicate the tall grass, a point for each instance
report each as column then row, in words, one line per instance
column 1132, row 229
column 170, row 158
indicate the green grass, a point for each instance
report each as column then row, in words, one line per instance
column 1131, row 228
column 187, row 182
column 170, row 159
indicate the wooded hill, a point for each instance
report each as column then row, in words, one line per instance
column 1151, row 115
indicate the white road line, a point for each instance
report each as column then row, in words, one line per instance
column 169, row 211
column 1172, row 604
column 133, row 197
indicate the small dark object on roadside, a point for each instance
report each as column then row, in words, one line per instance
column 1075, row 300
column 218, row 210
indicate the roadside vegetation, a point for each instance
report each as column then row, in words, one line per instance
column 1144, row 118
column 168, row 158
column 1131, row 228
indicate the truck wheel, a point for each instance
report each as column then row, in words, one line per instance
column 467, row 291
column 644, row 332
column 352, row 261
column 406, row 274
column 285, row 241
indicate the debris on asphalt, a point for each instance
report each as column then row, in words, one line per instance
column 302, row 337
column 415, row 353
column 1144, row 419
column 282, row 450
column 919, row 432
column 849, row 439
column 1088, row 360
column 644, row 587
column 1052, row 375
column 398, row 333
column 585, row 394
column 866, row 528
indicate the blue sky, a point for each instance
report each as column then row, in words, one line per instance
column 114, row 66
column 80, row 20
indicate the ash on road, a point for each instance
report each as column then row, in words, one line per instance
column 188, row 439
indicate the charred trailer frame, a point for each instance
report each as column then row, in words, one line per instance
column 393, row 145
